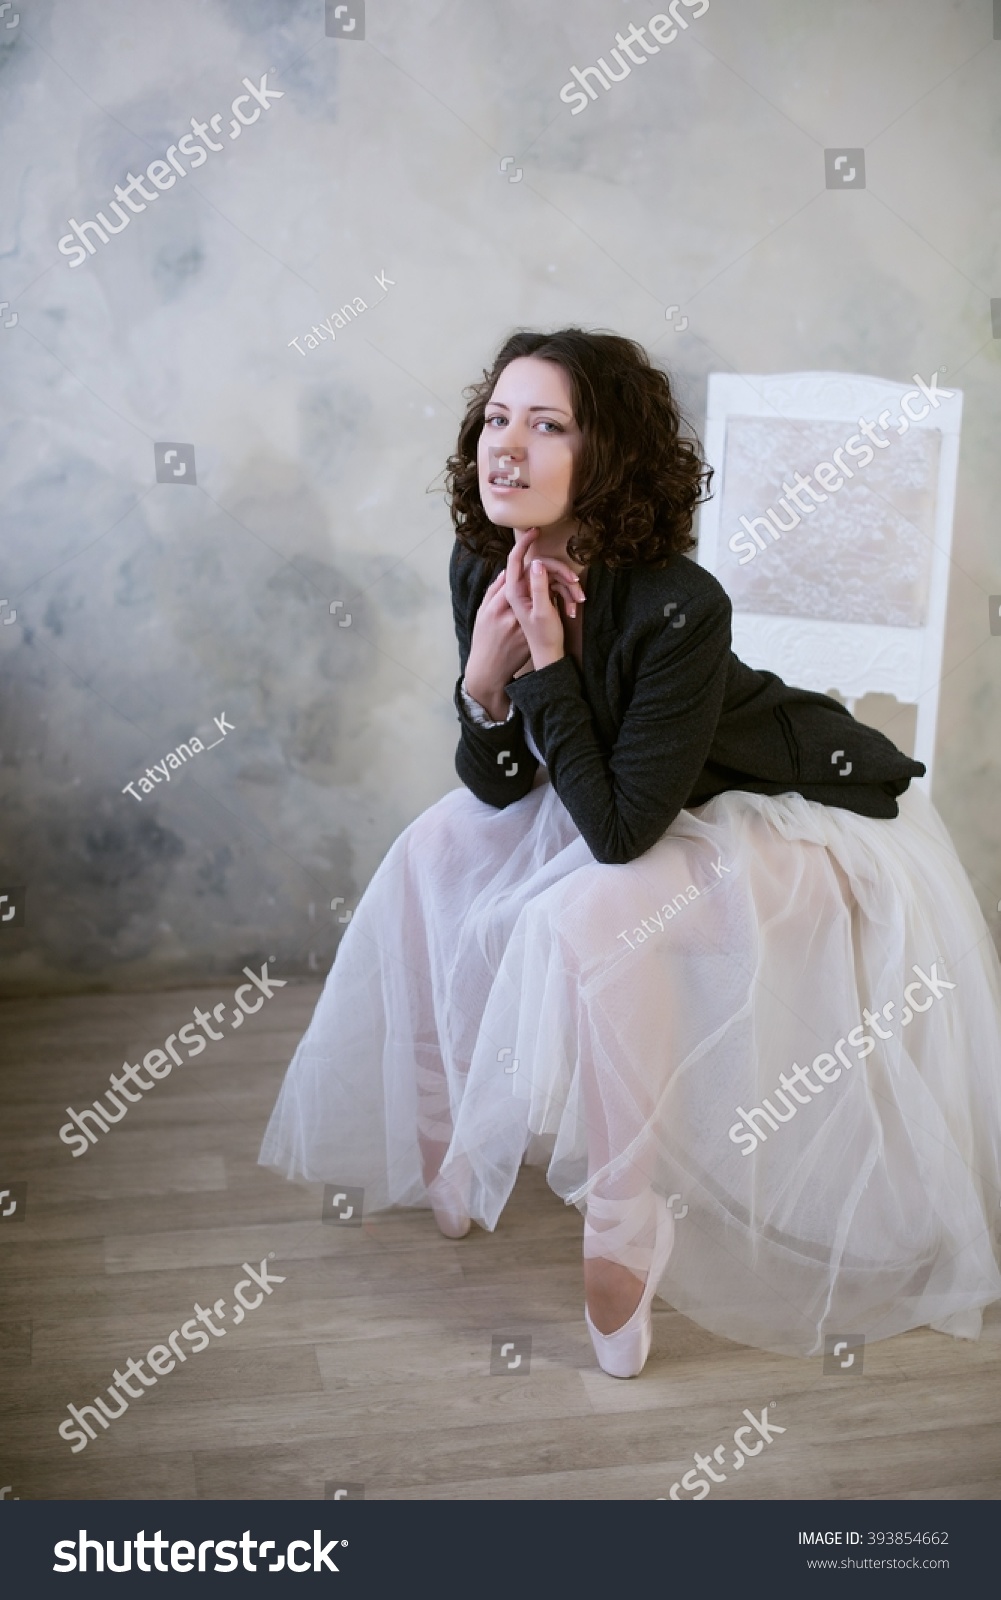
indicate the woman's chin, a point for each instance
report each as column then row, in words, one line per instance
column 505, row 517
column 511, row 512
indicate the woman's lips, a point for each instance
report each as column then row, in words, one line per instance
column 506, row 470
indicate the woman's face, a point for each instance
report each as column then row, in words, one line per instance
column 528, row 446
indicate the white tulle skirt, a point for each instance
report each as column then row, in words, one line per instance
column 499, row 996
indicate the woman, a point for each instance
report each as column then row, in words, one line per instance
column 685, row 937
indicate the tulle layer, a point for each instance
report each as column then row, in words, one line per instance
column 784, row 1017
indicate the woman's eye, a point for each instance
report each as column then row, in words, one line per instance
column 544, row 423
column 496, row 418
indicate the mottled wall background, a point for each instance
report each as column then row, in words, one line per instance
column 146, row 609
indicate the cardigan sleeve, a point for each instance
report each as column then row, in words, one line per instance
column 494, row 762
column 623, row 801
column 477, row 712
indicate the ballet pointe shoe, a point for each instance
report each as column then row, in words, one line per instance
column 449, row 1209
column 623, row 1353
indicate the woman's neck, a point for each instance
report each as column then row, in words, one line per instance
column 552, row 542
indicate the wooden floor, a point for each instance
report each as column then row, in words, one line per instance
column 368, row 1368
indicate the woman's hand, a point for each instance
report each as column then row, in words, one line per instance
column 499, row 648
column 565, row 581
column 529, row 598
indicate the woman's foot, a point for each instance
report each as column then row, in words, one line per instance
column 611, row 1293
column 449, row 1209
column 618, row 1303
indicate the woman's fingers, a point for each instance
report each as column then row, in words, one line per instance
column 518, row 567
column 515, row 564
column 565, row 573
column 556, row 566
column 515, row 587
column 523, row 538
column 538, row 579
column 566, row 584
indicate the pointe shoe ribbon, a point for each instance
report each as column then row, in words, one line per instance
column 623, row 1354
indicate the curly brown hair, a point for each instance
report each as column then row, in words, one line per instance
column 636, row 481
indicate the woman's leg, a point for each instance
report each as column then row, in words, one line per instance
column 449, row 1196
column 485, row 864
column 622, row 990
column 630, row 1036
column 434, row 1116
column 612, row 1291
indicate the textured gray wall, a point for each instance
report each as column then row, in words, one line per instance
column 145, row 610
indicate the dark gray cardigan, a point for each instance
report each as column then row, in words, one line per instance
column 663, row 715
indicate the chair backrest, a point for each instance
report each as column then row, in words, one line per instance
column 830, row 528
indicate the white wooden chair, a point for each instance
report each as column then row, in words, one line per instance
column 849, row 596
